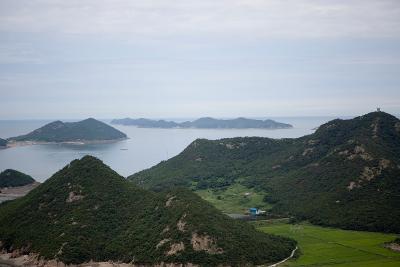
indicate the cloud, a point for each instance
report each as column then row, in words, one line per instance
column 161, row 58
column 248, row 18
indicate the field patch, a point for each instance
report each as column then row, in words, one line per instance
column 321, row 246
column 234, row 199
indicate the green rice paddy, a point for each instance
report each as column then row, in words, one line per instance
column 321, row 246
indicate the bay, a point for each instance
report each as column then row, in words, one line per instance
column 144, row 148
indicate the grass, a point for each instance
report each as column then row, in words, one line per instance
column 232, row 199
column 320, row 246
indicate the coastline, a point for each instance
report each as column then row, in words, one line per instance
column 11, row 193
column 12, row 144
column 33, row 260
column 5, row 263
column 205, row 128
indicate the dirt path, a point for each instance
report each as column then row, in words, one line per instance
column 284, row 260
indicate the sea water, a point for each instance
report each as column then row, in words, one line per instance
column 144, row 148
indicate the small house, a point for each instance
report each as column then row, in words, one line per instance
column 256, row 211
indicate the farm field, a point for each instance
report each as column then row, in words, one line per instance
column 233, row 198
column 320, row 246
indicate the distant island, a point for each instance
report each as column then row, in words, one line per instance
column 3, row 143
column 89, row 130
column 205, row 123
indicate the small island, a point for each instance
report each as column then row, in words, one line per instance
column 205, row 123
column 86, row 131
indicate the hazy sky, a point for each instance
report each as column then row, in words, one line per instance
column 222, row 58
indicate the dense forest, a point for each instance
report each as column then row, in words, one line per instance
column 344, row 175
column 58, row 131
column 72, row 217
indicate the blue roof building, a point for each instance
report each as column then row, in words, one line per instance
column 254, row 211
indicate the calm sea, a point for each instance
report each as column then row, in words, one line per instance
column 143, row 149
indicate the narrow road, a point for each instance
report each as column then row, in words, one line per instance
column 282, row 261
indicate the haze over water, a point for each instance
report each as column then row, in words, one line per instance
column 144, row 148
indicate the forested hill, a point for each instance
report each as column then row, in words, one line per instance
column 205, row 123
column 346, row 174
column 86, row 211
column 58, row 131
column 13, row 178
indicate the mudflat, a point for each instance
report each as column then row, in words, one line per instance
column 10, row 193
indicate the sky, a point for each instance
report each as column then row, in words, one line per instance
column 222, row 58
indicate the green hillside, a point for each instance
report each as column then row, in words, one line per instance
column 12, row 178
column 58, row 131
column 346, row 174
column 86, row 211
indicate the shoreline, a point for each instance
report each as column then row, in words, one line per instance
column 7, row 263
column 12, row 144
column 11, row 193
column 199, row 128
column 33, row 260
